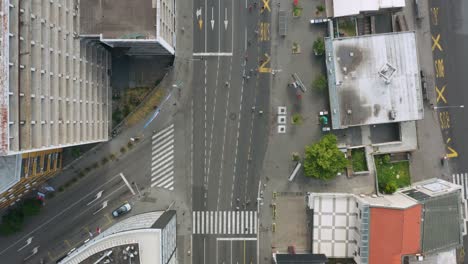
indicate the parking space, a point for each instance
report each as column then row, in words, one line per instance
column 290, row 231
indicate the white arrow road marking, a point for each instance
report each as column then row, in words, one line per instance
column 225, row 19
column 28, row 241
column 33, row 252
column 212, row 18
column 98, row 195
column 198, row 13
column 104, row 205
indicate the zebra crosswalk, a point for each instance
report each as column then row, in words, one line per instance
column 224, row 222
column 162, row 161
column 462, row 179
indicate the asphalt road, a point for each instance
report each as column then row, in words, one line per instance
column 230, row 128
column 69, row 217
column 449, row 30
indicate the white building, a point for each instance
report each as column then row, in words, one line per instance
column 146, row 238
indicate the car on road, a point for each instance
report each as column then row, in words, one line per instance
column 123, row 209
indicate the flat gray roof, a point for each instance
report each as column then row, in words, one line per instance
column 373, row 79
column 118, row 19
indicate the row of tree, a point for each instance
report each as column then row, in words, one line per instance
column 13, row 220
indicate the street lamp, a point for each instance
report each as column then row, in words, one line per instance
column 449, row 106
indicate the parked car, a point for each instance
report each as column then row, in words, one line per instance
column 123, row 209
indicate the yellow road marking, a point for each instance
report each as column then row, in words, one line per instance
column 452, row 154
column 435, row 15
column 200, row 23
column 440, row 68
column 68, row 243
column 440, row 94
column 109, row 220
column 50, row 256
column 444, row 118
column 266, row 5
column 436, row 43
column 262, row 67
column 264, row 31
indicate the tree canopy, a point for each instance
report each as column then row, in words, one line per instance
column 323, row 160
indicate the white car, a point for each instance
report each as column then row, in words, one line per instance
column 125, row 208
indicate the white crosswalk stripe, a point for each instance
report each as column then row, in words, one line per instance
column 224, row 222
column 162, row 159
column 462, row 180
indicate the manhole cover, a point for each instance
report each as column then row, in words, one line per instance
column 232, row 116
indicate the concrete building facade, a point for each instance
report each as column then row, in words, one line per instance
column 54, row 86
column 139, row 27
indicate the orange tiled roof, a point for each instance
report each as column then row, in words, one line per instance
column 393, row 233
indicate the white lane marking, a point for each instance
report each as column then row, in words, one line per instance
column 229, row 223
column 214, row 54
column 255, row 222
column 162, row 131
column 162, row 183
column 194, row 222
column 98, row 195
column 166, row 156
column 242, row 222
column 163, row 174
column 28, row 241
column 164, row 145
column 203, row 222
column 158, row 170
column 169, row 134
column 215, row 222
column 236, row 238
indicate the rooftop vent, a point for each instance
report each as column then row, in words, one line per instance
column 386, row 72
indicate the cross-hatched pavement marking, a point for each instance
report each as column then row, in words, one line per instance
column 162, row 159
column 224, row 222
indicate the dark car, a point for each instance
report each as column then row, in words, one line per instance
column 125, row 208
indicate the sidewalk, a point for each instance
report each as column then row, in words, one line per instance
column 425, row 162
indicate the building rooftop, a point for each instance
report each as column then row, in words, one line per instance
column 118, row 19
column 424, row 190
column 355, row 7
column 442, row 228
column 10, row 171
column 373, row 79
column 134, row 231
column 393, row 233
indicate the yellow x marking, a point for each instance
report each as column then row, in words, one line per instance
column 436, row 43
column 266, row 5
column 440, row 94
column 262, row 67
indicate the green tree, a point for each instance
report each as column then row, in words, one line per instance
column 12, row 222
column 391, row 187
column 31, row 207
column 320, row 83
column 76, row 152
column 319, row 47
column 323, row 160
column 296, row 119
column 320, row 8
